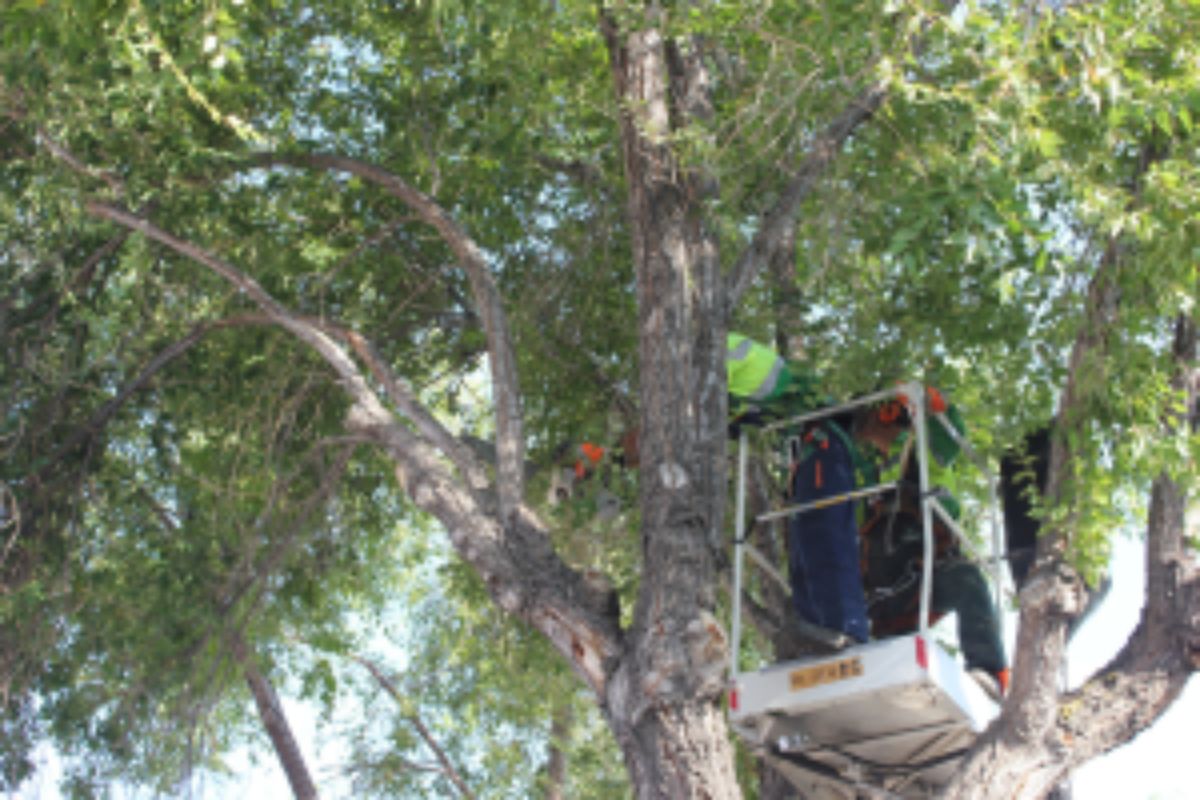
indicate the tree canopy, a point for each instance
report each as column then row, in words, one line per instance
column 303, row 304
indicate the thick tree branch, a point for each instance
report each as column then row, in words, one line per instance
column 1131, row 692
column 505, row 387
column 402, row 396
column 514, row 558
column 1040, row 733
column 776, row 223
column 517, row 562
column 1021, row 748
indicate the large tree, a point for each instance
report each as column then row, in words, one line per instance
column 259, row 258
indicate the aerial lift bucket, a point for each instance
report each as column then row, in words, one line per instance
column 890, row 718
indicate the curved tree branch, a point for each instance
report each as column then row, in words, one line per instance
column 1041, row 732
column 1020, row 748
column 514, row 557
column 1142, row 681
column 1134, row 690
column 1154, row 666
column 510, row 443
column 777, row 221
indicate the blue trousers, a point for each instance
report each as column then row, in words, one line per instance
column 823, row 553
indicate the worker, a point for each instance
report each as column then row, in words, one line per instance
column 1022, row 479
column 763, row 386
column 893, row 545
column 826, row 564
column 823, row 547
column 564, row 479
column 589, row 459
column 1023, row 476
column 822, row 542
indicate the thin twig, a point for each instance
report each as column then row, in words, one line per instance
column 388, row 686
column 102, row 417
column 10, row 514
column 67, row 157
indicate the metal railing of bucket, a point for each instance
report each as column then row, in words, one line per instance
column 929, row 506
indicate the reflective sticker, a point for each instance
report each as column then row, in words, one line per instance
column 830, row 672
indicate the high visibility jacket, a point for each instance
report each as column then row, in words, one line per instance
column 756, row 373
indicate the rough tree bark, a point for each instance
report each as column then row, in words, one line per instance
column 664, row 702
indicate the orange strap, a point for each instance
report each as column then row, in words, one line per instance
column 937, row 403
column 934, row 399
column 592, row 453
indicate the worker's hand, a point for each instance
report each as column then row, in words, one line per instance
column 753, row 417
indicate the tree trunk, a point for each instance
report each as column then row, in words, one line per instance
column 665, row 699
column 275, row 721
column 680, row 751
column 1043, row 733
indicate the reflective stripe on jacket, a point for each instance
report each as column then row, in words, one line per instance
column 755, row 371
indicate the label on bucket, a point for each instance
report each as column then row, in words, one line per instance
column 829, row 672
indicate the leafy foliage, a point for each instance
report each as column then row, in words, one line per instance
column 176, row 471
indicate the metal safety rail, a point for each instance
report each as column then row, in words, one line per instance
column 854, row 711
